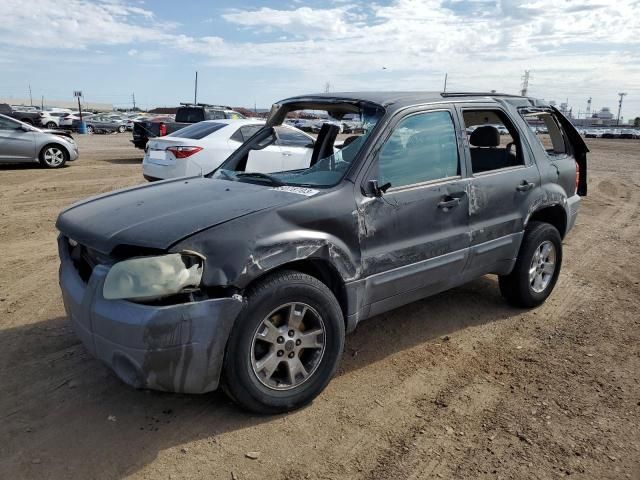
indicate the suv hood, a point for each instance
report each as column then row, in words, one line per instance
column 161, row 214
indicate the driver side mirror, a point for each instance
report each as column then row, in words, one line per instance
column 378, row 190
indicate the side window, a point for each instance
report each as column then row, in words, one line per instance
column 249, row 130
column 493, row 140
column 215, row 114
column 290, row 138
column 6, row 124
column 548, row 131
column 237, row 136
column 421, row 148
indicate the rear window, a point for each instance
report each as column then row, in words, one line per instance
column 197, row 130
column 190, row 115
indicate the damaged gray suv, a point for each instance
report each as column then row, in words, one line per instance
column 249, row 279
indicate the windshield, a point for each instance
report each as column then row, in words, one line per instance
column 314, row 149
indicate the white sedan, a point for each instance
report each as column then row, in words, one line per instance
column 203, row 146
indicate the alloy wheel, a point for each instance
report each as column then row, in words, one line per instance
column 53, row 157
column 543, row 266
column 288, row 346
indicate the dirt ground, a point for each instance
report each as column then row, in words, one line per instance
column 456, row 386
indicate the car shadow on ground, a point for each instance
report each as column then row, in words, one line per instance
column 25, row 166
column 124, row 161
column 68, row 416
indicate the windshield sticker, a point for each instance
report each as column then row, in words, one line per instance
column 307, row 192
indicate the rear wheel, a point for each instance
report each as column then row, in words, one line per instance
column 122, row 129
column 53, row 156
column 90, row 129
column 285, row 345
column 537, row 267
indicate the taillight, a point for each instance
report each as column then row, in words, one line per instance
column 577, row 177
column 163, row 129
column 183, row 152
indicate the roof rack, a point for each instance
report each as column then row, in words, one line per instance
column 191, row 104
column 477, row 94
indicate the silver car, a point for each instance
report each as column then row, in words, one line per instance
column 20, row 142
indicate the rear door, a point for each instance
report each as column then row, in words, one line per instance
column 504, row 180
column 15, row 144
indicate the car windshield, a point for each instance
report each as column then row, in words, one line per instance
column 317, row 152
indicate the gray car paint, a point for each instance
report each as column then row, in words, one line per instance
column 23, row 143
column 245, row 231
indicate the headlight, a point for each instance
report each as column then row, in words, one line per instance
column 152, row 277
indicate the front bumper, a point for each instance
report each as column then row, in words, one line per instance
column 176, row 348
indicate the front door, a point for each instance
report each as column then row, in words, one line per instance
column 414, row 237
column 16, row 145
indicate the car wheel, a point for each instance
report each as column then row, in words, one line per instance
column 51, row 125
column 122, row 129
column 537, row 267
column 90, row 129
column 53, row 156
column 285, row 345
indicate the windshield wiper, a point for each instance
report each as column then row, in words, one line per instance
column 262, row 176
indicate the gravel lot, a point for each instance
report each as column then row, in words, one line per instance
column 456, row 386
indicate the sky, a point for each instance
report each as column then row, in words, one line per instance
column 256, row 52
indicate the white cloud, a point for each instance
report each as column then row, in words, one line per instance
column 578, row 48
column 303, row 21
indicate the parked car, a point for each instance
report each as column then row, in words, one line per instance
column 31, row 117
column 185, row 115
column 257, row 276
column 67, row 120
column 21, row 142
column 628, row 133
column 52, row 119
column 101, row 124
column 203, row 146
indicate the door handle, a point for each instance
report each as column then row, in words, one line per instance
column 287, row 154
column 525, row 186
column 450, row 203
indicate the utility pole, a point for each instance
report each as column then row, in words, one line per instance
column 133, row 97
column 195, row 93
column 30, row 96
column 588, row 107
column 525, row 83
column 621, row 95
column 42, row 104
column 444, row 89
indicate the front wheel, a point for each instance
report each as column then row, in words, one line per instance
column 122, row 129
column 51, row 125
column 53, row 156
column 285, row 345
column 537, row 267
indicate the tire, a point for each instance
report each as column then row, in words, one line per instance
column 90, row 129
column 122, row 129
column 532, row 279
column 51, row 125
column 284, row 299
column 53, row 156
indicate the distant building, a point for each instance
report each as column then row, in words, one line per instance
column 604, row 114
